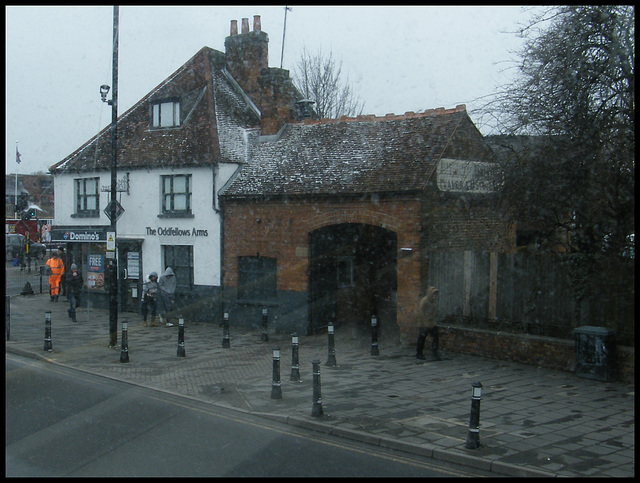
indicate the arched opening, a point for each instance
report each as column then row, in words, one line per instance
column 352, row 276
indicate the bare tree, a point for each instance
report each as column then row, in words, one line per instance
column 319, row 78
column 575, row 93
column 574, row 173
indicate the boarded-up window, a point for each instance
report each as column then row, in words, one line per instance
column 257, row 278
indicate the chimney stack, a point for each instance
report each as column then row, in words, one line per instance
column 270, row 89
column 246, row 55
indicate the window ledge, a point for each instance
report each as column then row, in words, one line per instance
column 86, row 214
column 165, row 128
column 176, row 215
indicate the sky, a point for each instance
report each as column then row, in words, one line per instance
column 396, row 58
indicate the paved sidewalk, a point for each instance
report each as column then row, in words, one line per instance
column 533, row 421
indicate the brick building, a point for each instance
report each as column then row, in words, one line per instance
column 334, row 220
column 222, row 178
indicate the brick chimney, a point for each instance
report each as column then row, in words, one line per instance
column 270, row 89
column 277, row 100
column 246, row 55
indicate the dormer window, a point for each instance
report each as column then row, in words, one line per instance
column 165, row 114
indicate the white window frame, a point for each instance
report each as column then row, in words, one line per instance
column 165, row 114
column 87, row 189
column 173, row 194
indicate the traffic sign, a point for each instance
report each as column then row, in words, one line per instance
column 119, row 209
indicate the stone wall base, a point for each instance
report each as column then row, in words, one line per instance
column 547, row 352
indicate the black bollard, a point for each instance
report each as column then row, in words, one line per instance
column 226, row 343
column 374, row 336
column 276, row 390
column 473, row 436
column 265, row 334
column 331, row 359
column 295, row 368
column 181, row 337
column 124, row 350
column 47, row 331
column 316, row 409
column 7, row 315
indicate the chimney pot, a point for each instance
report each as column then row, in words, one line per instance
column 245, row 25
column 306, row 109
column 256, row 23
column 234, row 27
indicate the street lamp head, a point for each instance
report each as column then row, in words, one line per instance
column 104, row 90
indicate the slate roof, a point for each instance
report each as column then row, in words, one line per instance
column 390, row 154
column 212, row 107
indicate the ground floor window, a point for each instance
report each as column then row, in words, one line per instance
column 257, row 279
column 180, row 259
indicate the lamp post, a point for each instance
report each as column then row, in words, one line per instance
column 113, row 262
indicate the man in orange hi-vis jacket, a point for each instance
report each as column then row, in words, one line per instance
column 56, row 265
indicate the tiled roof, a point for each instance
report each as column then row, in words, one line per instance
column 203, row 91
column 355, row 155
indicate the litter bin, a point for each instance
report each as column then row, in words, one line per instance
column 594, row 352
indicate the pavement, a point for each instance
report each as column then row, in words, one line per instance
column 533, row 422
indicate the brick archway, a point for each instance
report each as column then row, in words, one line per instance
column 355, row 214
column 352, row 276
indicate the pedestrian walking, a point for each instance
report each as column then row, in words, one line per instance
column 67, row 259
column 167, row 289
column 150, row 299
column 427, row 323
column 74, row 288
column 56, row 270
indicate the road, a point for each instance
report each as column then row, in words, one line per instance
column 63, row 422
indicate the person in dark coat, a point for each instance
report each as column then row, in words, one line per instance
column 150, row 299
column 74, row 288
column 67, row 259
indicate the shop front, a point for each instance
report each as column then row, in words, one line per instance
column 87, row 247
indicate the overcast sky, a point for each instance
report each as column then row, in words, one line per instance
column 398, row 59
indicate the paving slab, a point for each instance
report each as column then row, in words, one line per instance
column 533, row 421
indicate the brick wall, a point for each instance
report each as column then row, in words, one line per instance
column 548, row 352
column 458, row 224
column 281, row 230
